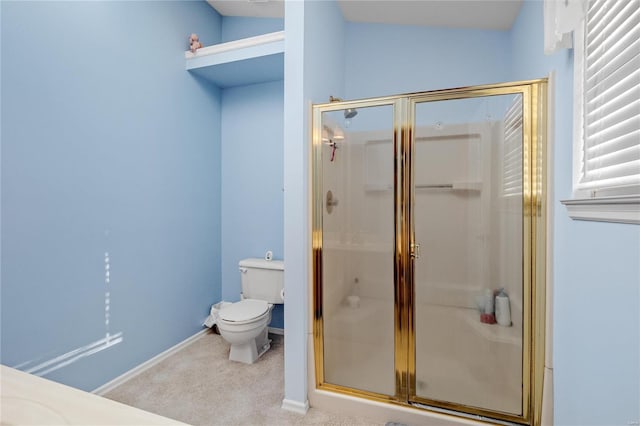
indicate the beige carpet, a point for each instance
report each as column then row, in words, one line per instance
column 200, row 386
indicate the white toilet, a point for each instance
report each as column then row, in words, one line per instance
column 244, row 324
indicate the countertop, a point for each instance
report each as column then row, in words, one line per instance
column 29, row 400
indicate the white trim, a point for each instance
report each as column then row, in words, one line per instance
column 605, row 209
column 239, row 50
column 578, row 109
column 547, row 378
column 619, row 205
column 547, row 397
column 275, row 330
column 236, row 45
column 550, row 237
column 295, row 406
column 107, row 387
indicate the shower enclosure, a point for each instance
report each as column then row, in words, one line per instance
column 428, row 249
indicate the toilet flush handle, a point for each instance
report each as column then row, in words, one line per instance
column 243, row 270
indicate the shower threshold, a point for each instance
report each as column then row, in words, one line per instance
column 465, row 415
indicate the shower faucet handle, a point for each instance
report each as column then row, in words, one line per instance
column 330, row 202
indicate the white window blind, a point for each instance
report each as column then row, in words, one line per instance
column 611, row 98
column 512, row 174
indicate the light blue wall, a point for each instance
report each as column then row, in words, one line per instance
column 252, row 167
column 596, row 281
column 237, row 27
column 108, row 145
column 252, row 180
column 391, row 59
column 314, row 54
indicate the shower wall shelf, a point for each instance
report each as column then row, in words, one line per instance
column 455, row 186
column 492, row 332
column 246, row 61
column 375, row 187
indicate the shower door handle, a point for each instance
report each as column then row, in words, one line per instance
column 415, row 251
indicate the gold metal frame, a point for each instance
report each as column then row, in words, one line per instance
column 534, row 245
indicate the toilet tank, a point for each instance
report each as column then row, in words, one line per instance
column 262, row 279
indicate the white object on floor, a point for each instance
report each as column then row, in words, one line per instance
column 214, row 313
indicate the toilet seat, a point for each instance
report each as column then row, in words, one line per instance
column 245, row 311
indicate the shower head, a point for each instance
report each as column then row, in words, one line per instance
column 350, row 112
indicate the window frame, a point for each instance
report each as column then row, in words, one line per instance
column 622, row 204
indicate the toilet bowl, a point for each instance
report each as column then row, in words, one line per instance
column 244, row 325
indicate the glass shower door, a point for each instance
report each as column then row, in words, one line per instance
column 429, row 249
column 354, row 154
column 467, row 205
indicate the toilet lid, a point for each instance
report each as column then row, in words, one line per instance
column 244, row 310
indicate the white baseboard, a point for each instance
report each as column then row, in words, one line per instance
column 274, row 330
column 295, row 406
column 148, row 364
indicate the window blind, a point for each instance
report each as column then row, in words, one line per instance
column 512, row 174
column 611, row 90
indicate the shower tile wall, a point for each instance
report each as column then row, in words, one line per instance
column 333, row 232
column 464, row 235
column 358, row 228
column 358, row 258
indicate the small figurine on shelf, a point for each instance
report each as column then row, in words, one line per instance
column 194, row 43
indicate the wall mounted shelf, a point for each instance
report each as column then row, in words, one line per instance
column 491, row 332
column 246, row 61
column 455, row 186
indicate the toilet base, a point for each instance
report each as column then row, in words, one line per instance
column 250, row 351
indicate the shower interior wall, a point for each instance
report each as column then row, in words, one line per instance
column 467, row 240
column 373, row 55
column 361, row 228
column 372, row 61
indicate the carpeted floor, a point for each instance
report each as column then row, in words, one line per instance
column 200, row 386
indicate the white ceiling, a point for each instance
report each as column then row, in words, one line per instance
column 478, row 14
column 253, row 8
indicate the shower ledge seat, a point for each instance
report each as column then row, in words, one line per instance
column 240, row 62
column 492, row 332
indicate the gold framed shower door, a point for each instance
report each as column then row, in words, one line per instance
column 533, row 247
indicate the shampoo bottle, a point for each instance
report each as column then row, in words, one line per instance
column 503, row 310
column 488, row 301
